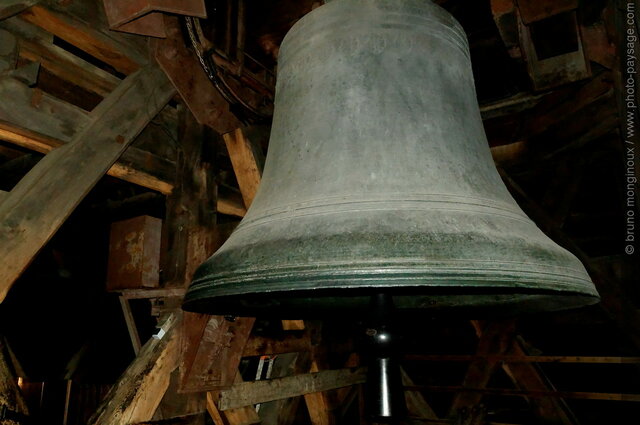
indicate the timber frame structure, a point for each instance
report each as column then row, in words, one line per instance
column 110, row 115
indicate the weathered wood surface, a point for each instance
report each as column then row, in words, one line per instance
column 212, row 347
column 37, row 121
column 241, row 416
column 110, row 48
column 36, row 45
column 137, row 394
column 186, row 73
column 248, row 393
column 131, row 325
column 45, row 197
column 318, row 404
column 245, row 164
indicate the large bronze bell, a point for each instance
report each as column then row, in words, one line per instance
column 379, row 178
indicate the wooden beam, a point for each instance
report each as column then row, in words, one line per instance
column 318, row 404
column 248, row 393
column 186, row 73
column 40, row 122
column 131, row 324
column 134, row 166
column 496, row 338
column 212, row 348
column 102, row 46
column 136, row 395
column 39, row 204
column 36, row 45
column 245, row 164
column 143, row 293
column 242, row 416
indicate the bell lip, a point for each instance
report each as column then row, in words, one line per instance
column 476, row 302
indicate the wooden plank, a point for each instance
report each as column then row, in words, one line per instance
column 293, row 325
column 39, row 204
column 318, row 404
column 136, row 395
column 144, row 293
column 248, row 393
column 131, row 325
column 284, row 411
column 189, row 232
column 40, row 122
column 99, row 45
column 36, row 45
column 212, row 349
column 231, row 207
column 39, row 112
column 245, row 164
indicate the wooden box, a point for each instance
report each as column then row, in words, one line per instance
column 134, row 254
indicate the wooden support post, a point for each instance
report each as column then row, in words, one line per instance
column 44, row 198
column 496, row 338
column 186, row 73
column 190, row 224
column 318, row 404
column 212, row 350
column 245, row 164
column 36, row 45
column 241, row 416
column 131, row 325
column 137, row 394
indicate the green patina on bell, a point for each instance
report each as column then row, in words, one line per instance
column 379, row 178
